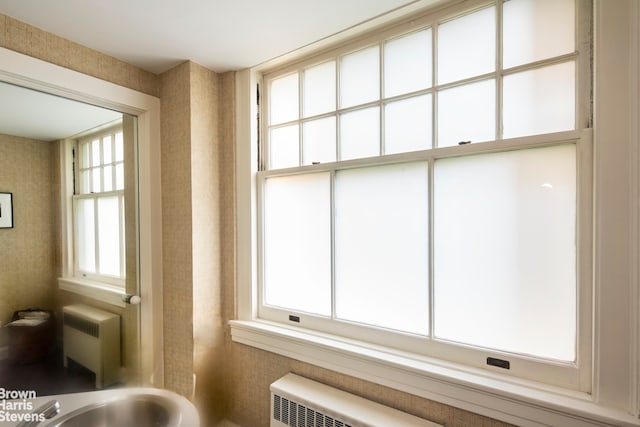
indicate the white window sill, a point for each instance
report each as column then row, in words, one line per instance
column 95, row 290
column 518, row 402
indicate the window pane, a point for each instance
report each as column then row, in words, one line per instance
column 109, row 235
column 467, row 113
column 283, row 106
column 537, row 29
column 407, row 63
column 297, row 249
column 108, row 178
column 467, row 46
column 85, row 155
column 95, row 152
column 96, row 180
column 382, row 244
column 106, row 149
column 360, row 77
column 360, row 134
column 540, row 101
column 319, row 89
column 408, row 125
column 85, row 186
column 119, row 147
column 120, row 176
column 319, row 141
column 85, row 236
column 505, row 251
column 284, row 147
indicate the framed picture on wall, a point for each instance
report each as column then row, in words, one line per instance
column 6, row 210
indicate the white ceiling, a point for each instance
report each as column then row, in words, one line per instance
column 156, row 35
column 219, row 34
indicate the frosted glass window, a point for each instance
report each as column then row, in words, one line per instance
column 407, row 63
column 467, row 46
column 297, row 249
column 382, row 244
column 95, row 152
column 360, row 77
column 284, row 147
column 85, row 236
column 108, row 178
column 109, row 235
column 283, row 98
column 360, row 134
column 85, row 154
column 408, row 125
column 96, row 180
column 319, row 138
column 467, row 113
column 540, row 101
column 119, row 147
column 505, row 251
column 537, row 29
column 106, row 150
column 120, row 176
column 85, row 185
column 319, row 89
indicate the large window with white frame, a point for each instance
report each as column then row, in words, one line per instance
column 419, row 189
column 98, row 207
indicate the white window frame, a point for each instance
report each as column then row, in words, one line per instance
column 106, row 289
column 614, row 378
column 110, row 130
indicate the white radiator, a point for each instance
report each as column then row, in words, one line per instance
column 91, row 337
column 300, row 402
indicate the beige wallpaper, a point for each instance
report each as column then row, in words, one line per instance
column 32, row 41
column 27, row 251
column 198, row 140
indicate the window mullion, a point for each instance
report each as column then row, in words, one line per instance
column 332, row 210
column 499, row 78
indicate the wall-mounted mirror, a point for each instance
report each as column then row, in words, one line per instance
column 73, row 171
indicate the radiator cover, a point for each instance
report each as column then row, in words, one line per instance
column 300, row 402
column 91, row 338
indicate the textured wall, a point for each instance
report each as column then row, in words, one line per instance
column 27, row 251
column 32, row 41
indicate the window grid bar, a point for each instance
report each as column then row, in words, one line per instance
column 96, row 225
column 499, row 73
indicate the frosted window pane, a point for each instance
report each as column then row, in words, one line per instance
column 96, row 184
column 119, row 147
column 109, row 235
column 106, row 149
column 540, row 101
column 360, row 77
column 319, row 141
column 467, row 113
column 319, row 89
column 297, row 249
column 407, row 63
column 408, row 125
column 382, row 244
column 119, row 176
column 467, row 46
column 95, row 152
column 85, row 155
column 537, row 29
column 86, row 235
column 505, row 251
column 360, row 134
column 85, row 187
column 108, row 178
column 284, row 147
column 284, row 99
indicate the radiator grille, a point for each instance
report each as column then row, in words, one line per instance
column 82, row 325
column 295, row 414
